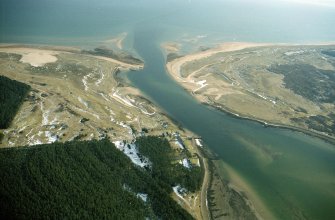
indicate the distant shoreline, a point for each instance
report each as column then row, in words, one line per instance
column 173, row 69
column 327, row 138
column 35, row 56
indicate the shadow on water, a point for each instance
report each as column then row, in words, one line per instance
column 290, row 171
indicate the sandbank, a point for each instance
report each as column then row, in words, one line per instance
column 39, row 56
column 174, row 66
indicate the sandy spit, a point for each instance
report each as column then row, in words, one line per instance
column 174, row 66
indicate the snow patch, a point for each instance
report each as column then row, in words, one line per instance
column 198, row 142
column 179, row 145
column 45, row 115
column 179, row 191
column 186, row 163
column 201, row 83
column 142, row 196
column 83, row 102
column 51, row 138
column 101, row 78
column 131, row 151
column 123, row 100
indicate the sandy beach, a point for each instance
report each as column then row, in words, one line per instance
column 39, row 56
column 174, row 66
column 35, row 57
column 170, row 47
column 117, row 41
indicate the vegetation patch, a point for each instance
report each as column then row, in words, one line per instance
column 306, row 80
column 10, row 56
column 172, row 56
column 12, row 94
column 60, row 67
column 164, row 168
column 80, row 180
column 1, row 137
column 112, row 54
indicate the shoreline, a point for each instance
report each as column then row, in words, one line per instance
column 204, row 209
column 173, row 69
column 324, row 137
column 36, row 52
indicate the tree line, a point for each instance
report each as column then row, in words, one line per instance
column 12, row 94
column 80, row 180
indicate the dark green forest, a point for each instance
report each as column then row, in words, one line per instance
column 308, row 81
column 160, row 153
column 83, row 180
column 12, row 94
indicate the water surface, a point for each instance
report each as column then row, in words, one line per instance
column 294, row 174
column 291, row 172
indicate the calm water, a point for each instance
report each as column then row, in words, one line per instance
column 291, row 172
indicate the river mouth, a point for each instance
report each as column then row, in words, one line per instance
column 293, row 174
column 288, row 171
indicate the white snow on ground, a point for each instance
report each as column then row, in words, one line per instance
column 84, row 80
column 178, row 190
column 53, row 122
column 101, row 78
column 36, row 142
column 45, row 115
column 83, row 102
column 111, row 113
column 146, row 112
column 104, row 96
column 265, row 98
column 202, row 84
column 142, row 196
column 129, row 102
column 122, row 124
column 198, row 162
column 186, row 163
column 132, row 100
column 130, row 150
column 22, row 129
column 50, row 137
column 179, row 145
column 123, row 100
column 198, row 142
column 32, row 141
column 87, row 112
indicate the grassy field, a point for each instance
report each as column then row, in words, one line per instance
column 77, row 97
column 282, row 85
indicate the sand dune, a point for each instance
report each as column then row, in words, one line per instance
column 35, row 57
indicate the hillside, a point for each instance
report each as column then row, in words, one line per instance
column 12, row 94
column 81, row 180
